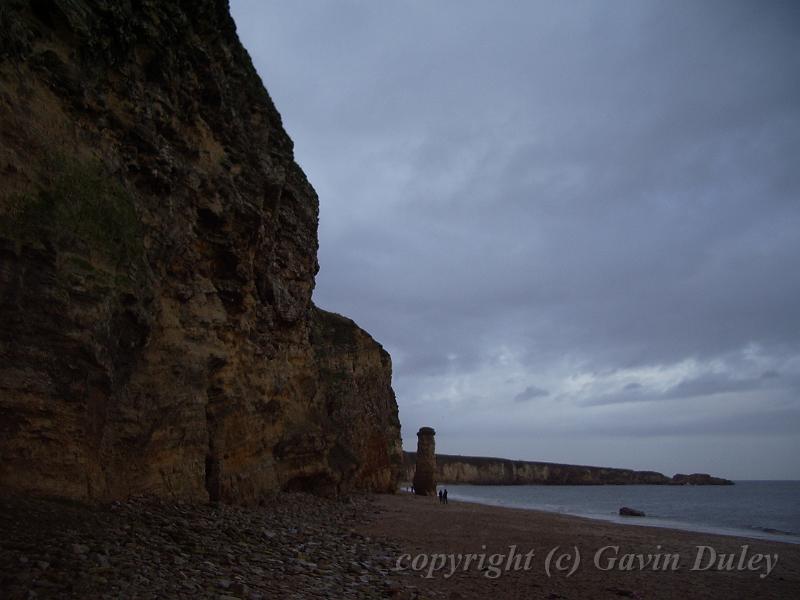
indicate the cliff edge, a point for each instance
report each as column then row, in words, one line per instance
column 158, row 248
column 481, row 470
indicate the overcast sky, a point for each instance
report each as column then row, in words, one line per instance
column 574, row 225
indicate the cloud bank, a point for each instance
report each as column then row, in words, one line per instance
column 573, row 225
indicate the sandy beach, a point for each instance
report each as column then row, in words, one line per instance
column 299, row 546
column 422, row 526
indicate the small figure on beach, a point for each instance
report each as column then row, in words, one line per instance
column 444, row 496
column 441, row 497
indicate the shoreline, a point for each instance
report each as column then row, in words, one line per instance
column 672, row 525
column 421, row 526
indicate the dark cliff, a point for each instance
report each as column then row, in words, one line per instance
column 481, row 470
column 158, row 248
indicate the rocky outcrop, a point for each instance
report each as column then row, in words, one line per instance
column 626, row 511
column 698, row 479
column 158, row 248
column 354, row 383
column 501, row 471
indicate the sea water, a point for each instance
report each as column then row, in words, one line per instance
column 756, row 509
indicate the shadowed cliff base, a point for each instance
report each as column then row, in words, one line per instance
column 481, row 470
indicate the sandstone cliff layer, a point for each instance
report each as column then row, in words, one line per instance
column 158, row 248
column 480, row 470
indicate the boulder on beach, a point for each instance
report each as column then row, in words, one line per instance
column 630, row 512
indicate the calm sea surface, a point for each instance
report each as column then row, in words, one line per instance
column 756, row 509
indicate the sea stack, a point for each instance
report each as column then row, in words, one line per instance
column 424, row 475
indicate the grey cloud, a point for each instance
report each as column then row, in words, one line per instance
column 707, row 384
column 529, row 393
column 710, row 384
column 770, row 422
column 604, row 187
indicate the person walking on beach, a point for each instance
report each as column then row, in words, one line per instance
column 444, row 496
column 441, row 497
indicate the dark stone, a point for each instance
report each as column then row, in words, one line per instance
column 630, row 512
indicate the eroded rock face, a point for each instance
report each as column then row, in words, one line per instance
column 157, row 259
column 523, row 472
column 482, row 470
column 356, row 404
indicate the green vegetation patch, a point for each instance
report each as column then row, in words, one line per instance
column 80, row 201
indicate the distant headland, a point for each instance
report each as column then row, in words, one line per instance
column 481, row 470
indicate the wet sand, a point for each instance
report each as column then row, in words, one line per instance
column 421, row 525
